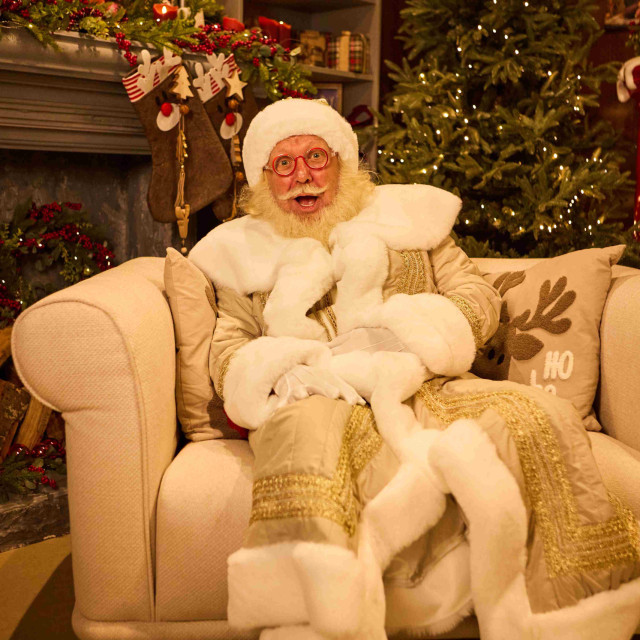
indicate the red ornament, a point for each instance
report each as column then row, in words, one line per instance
column 166, row 109
column 164, row 11
column 230, row 118
column 18, row 449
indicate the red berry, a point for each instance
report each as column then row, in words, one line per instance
column 230, row 118
column 166, row 109
column 44, row 480
column 53, row 484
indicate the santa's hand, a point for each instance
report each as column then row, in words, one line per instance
column 366, row 339
column 303, row 381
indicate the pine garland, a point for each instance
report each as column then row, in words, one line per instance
column 495, row 101
column 29, row 471
column 261, row 58
column 55, row 238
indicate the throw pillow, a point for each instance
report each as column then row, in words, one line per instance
column 193, row 307
column 549, row 333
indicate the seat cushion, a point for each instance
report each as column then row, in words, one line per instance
column 203, row 511
column 619, row 466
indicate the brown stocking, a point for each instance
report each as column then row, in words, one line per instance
column 213, row 92
column 207, row 168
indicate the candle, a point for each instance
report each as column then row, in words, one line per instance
column 164, row 11
column 269, row 27
column 284, row 34
column 231, row 24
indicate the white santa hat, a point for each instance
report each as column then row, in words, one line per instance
column 296, row 117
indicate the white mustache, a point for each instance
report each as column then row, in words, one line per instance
column 302, row 190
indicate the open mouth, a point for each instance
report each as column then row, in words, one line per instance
column 306, row 201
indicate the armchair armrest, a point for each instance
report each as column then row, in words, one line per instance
column 103, row 353
column 620, row 358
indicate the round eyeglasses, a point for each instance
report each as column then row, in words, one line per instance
column 285, row 165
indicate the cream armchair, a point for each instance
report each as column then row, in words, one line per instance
column 151, row 530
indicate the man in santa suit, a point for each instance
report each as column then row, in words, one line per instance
column 392, row 488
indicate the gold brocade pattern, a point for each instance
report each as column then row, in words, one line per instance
column 569, row 546
column 263, row 296
column 472, row 318
column 318, row 316
column 322, row 313
column 332, row 319
column 222, row 372
column 304, row 495
column 414, row 275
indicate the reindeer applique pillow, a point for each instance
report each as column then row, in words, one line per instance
column 549, row 333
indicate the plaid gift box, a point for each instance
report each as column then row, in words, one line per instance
column 348, row 52
column 358, row 53
column 332, row 53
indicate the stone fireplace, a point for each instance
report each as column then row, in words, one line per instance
column 69, row 133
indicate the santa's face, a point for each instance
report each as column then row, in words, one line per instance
column 306, row 191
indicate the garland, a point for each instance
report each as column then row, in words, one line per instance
column 29, row 471
column 261, row 58
column 55, row 240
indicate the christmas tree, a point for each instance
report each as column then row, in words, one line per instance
column 495, row 101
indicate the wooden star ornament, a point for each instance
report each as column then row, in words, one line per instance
column 235, row 85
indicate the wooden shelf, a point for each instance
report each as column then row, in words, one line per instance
column 316, row 6
column 326, row 16
column 324, row 74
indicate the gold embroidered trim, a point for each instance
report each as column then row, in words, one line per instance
column 318, row 316
column 414, row 275
column 323, row 313
column 304, row 495
column 470, row 315
column 263, row 296
column 222, row 372
column 332, row 319
column 570, row 547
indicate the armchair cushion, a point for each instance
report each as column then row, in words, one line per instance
column 549, row 334
column 193, row 307
column 203, row 512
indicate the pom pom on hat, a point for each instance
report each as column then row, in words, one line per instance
column 296, row 117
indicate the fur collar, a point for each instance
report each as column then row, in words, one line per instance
column 246, row 254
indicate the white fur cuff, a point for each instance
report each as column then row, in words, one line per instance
column 432, row 327
column 296, row 583
column 256, row 367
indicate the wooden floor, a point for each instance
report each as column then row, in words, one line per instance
column 37, row 592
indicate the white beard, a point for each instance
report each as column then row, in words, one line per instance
column 354, row 189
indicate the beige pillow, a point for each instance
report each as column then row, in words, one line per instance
column 549, row 333
column 193, row 307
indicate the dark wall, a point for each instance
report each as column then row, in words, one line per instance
column 390, row 46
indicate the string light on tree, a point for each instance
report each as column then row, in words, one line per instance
column 502, row 113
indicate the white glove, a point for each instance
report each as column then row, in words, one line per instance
column 366, row 339
column 303, row 381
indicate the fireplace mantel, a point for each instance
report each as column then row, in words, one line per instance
column 67, row 100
